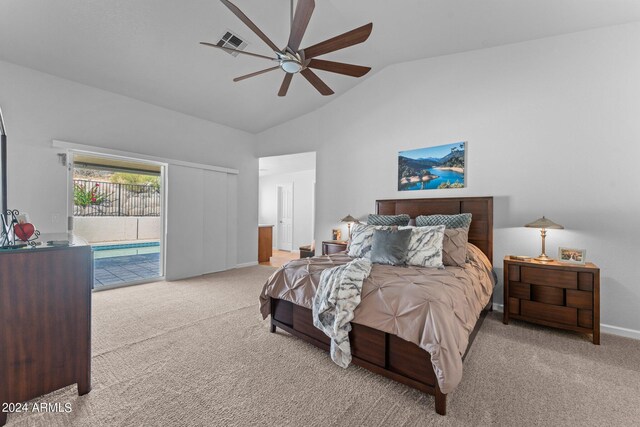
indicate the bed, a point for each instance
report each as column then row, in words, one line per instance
column 449, row 308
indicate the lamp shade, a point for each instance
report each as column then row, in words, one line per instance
column 348, row 218
column 544, row 223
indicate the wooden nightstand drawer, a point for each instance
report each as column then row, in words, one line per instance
column 585, row 318
column 333, row 247
column 547, row 294
column 580, row 299
column 559, row 278
column 553, row 294
column 520, row 290
column 550, row 313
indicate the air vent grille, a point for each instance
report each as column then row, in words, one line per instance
column 232, row 41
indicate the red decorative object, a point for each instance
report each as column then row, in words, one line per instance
column 24, row 231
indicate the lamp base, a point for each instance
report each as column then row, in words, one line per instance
column 543, row 258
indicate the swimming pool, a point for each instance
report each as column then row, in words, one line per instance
column 113, row 250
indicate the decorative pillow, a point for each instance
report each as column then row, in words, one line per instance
column 362, row 239
column 390, row 246
column 449, row 221
column 454, row 247
column 425, row 246
column 402, row 219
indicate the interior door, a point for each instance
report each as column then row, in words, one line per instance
column 285, row 217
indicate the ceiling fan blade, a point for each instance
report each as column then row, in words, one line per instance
column 316, row 82
column 285, row 84
column 257, row 73
column 340, row 42
column 228, row 49
column 339, row 67
column 236, row 11
column 301, row 19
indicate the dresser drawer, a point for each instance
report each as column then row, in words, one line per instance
column 556, row 278
column 550, row 313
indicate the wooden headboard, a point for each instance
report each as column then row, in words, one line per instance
column 481, row 231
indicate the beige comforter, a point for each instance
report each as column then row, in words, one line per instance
column 434, row 308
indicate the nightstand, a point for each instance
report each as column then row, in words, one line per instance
column 333, row 246
column 565, row 296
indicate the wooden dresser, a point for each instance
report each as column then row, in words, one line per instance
column 45, row 321
column 265, row 243
column 565, row 296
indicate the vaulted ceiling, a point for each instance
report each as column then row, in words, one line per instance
column 148, row 49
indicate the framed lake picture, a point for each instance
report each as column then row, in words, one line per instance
column 432, row 168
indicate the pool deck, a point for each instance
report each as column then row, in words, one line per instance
column 124, row 269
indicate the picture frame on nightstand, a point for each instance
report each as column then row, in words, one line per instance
column 572, row 256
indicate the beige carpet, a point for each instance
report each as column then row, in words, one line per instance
column 196, row 353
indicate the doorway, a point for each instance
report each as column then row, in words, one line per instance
column 117, row 206
column 287, row 201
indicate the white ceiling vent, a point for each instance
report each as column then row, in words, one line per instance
column 232, row 41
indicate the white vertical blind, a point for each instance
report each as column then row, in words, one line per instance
column 214, row 230
column 201, row 234
column 232, row 220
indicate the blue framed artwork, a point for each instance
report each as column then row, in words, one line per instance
column 431, row 168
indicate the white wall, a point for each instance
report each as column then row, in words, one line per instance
column 303, row 183
column 553, row 128
column 39, row 108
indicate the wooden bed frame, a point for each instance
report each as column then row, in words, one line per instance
column 385, row 353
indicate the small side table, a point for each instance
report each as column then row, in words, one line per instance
column 565, row 296
column 333, row 246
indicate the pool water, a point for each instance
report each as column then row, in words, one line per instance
column 126, row 249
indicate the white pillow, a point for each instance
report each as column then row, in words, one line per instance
column 362, row 239
column 425, row 246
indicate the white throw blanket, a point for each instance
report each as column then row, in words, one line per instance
column 336, row 298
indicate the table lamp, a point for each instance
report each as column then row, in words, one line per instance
column 544, row 223
column 349, row 220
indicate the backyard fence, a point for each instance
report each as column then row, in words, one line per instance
column 93, row 198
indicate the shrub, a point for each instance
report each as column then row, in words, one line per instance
column 83, row 196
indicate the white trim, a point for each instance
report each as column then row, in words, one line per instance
column 81, row 148
column 617, row 330
column 247, row 264
column 127, row 284
column 607, row 329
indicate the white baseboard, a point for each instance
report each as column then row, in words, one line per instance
column 247, row 264
column 617, row 330
column 607, row 329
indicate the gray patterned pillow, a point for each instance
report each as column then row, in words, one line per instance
column 425, row 246
column 402, row 219
column 449, row 221
column 454, row 247
column 390, row 246
column 362, row 239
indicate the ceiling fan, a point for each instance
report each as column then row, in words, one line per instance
column 294, row 60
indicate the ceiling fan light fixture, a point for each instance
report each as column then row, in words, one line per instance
column 290, row 66
column 293, row 60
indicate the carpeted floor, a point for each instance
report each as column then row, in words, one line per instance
column 197, row 353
